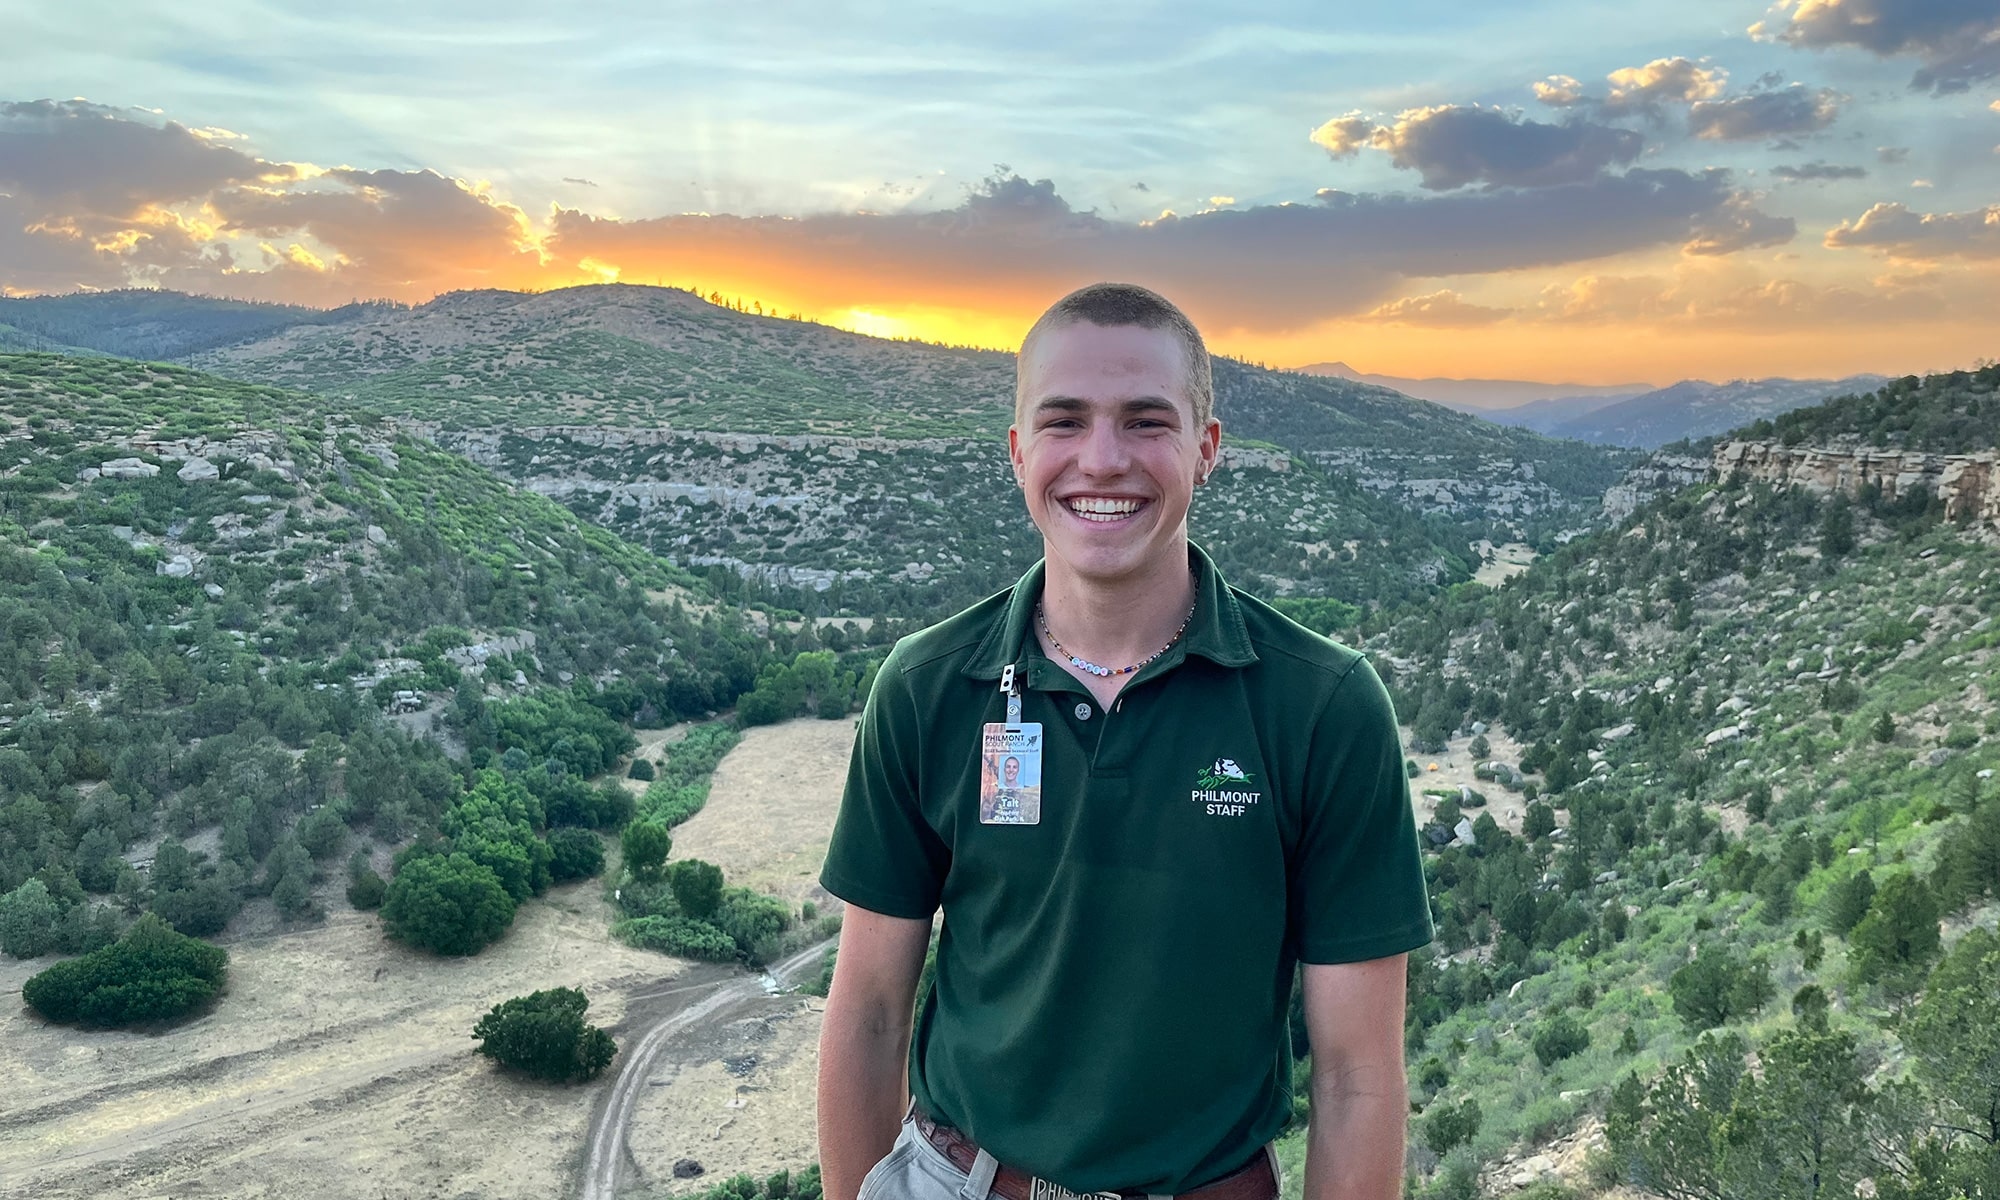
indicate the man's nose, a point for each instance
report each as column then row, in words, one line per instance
column 1103, row 451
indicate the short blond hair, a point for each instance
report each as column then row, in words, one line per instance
column 1114, row 304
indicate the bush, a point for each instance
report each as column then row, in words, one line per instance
column 697, row 887
column 750, row 918
column 1447, row 1126
column 29, row 917
column 150, row 974
column 683, row 937
column 544, row 1035
column 640, row 769
column 574, row 854
column 200, row 910
column 366, row 890
column 646, row 845
column 1558, row 1038
column 447, row 904
column 1719, row 986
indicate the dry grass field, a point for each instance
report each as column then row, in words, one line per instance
column 770, row 810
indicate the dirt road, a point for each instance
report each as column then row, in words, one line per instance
column 606, row 1156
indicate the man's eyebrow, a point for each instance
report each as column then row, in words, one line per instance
column 1130, row 405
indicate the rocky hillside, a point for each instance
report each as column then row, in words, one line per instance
column 1724, row 769
column 226, row 612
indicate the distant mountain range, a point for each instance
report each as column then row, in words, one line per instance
column 1692, row 408
column 1483, row 396
column 1634, row 414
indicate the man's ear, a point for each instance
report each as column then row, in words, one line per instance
column 1014, row 454
column 1210, row 448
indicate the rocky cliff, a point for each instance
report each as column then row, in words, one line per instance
column 1969, row 484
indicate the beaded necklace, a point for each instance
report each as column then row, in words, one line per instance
column 1103, row 672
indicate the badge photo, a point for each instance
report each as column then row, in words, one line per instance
column 1010, row 774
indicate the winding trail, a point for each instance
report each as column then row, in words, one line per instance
column 606, row 1159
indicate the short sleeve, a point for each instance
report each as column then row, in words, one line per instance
column 1357, row 879
column 884, row 855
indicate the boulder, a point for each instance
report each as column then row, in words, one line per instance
column 128, row 468
column 198, row 470
column 180, row 566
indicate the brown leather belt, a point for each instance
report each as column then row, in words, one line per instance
column 1256, row 1181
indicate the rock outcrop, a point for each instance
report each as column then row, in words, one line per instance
column 1969, row 484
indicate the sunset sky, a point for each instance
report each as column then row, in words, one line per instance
column 1541, row 190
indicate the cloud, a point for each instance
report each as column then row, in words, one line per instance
column 579, row 182
column 1958, row 41
column 1276, row 267
column 1892, row 154
column 223, row 221
column 1678, row 80
column 1440, row 310
column 1896, row 231
column 1818, row 172
column 1343, row 137
column 1760, row 115
column 1558, row 91
column 1738, row 225
column 1725, row 302
column 1452, row 145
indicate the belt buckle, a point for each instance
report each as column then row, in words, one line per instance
column 1042, row 1189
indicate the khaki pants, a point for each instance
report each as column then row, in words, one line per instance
column 916, row 1170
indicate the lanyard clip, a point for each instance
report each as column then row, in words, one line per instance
column 1012, row 690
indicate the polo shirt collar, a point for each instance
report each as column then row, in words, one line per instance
column 1217, row 632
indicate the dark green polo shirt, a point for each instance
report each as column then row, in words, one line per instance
column 1109, row 1010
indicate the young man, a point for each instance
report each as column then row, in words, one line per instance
column 1221, row 797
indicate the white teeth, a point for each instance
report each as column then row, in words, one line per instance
column 1097, row 508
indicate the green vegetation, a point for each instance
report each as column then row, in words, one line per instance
column 1950, row 412
column 447, row 904
column 150, row 974
column 542, row 1034
column 785, row 1185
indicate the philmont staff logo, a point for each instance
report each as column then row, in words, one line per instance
column 1225, row 788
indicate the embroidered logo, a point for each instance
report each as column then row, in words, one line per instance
column 1224, row 788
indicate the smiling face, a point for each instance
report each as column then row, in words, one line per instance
column 1108, row 450
column 1012, row 769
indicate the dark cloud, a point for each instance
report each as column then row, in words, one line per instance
column 1274, row 267
column 1759, row 115
column 1898, row 232
column 1739, row 225
column 1452, row 146
column 1819, row 172
column 1958, row 41
column 579, row 182
column 394, row 229
column 1892, row 154
column 77, row 159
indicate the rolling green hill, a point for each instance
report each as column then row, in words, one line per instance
column 228, row 612
column 1697, row 735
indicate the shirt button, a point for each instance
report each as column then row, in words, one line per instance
column 1083, row 712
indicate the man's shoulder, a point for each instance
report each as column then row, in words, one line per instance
column 948, row 645
column 1296, row 655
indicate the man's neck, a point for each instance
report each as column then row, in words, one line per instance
column 1115, row 622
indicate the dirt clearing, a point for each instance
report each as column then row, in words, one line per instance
column 771, row 806
column 337, row 1064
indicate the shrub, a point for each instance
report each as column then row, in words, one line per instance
column 200, row 910
column 366, row 890
column 1448, row 1126
column 574, row 854
column 29, row 916
column 697, row 887
column 750, row 918
column 1719, row 986
column 683, row 937
column 640, row 769
column 543, row 1034
column 1558, row 1038
column 646, row 845
column 447, row 904
column 150, row 974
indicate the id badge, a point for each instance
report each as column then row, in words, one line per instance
column 1010, row 774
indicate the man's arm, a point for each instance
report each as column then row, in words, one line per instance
column 1360, row 1097
column 864, row 1044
